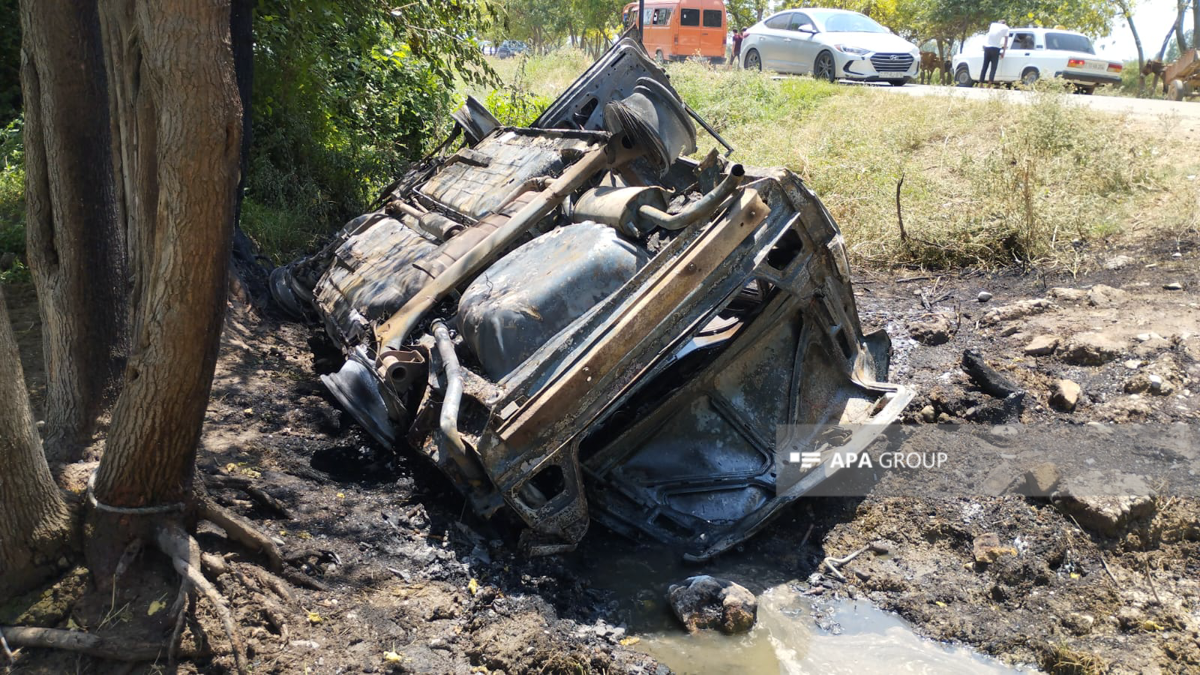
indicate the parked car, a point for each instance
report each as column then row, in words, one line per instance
column 674, row 30
column 510, row 48
column 1034, row 53
column 832, row 44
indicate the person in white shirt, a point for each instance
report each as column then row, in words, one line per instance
column 994, row 48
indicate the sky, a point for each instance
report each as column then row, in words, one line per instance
column 1153, row 19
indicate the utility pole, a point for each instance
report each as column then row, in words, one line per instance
column 641, row 22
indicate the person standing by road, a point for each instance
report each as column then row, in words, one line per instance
column 737, row 48
column 994, row 48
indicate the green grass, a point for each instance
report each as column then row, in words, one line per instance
column 984, row 183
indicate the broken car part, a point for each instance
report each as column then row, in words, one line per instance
column 575, row 321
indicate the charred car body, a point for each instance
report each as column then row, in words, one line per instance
column 574, row 321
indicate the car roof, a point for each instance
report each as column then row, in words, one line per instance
column 824, row 10
column 1043, row 29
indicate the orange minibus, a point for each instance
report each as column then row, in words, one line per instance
column 677, row 29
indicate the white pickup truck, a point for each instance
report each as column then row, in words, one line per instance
column 1034, row 53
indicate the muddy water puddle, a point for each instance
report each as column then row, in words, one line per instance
column 796, row 632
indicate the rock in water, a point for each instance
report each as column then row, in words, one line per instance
column 705, row 602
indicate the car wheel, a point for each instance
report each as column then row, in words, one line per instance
column 898, row 83
column 823, row 67
column 658, row 56
column 962, row 77
column 753, row 61
column 1177, row 91
column 1029, row 76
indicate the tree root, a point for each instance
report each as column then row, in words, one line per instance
column 241, row 531
column 185, row 555
column 87, row 643
column 255, row 492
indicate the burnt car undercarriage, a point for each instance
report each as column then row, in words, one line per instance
column 574, row 321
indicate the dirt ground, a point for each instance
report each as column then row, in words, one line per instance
column 410, row 581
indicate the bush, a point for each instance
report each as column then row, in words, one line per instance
column 12, row 200
column 515, row 108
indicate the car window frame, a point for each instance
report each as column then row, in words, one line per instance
column 798, row 15
column 785, row 16
column 1018, row 33
column 704, row 18
column 683, row 17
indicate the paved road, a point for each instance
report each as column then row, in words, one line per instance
column 1187, row 112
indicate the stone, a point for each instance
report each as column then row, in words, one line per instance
column 932, row 330
column 1041, row 480
column 1160, row 386
column 1117, row 262
column 944, row 418
column 987, row 549
column 1091, row 349
column 1137, row 384
column 984, row 296
column 1065, row 396
column 1042, row 345
column 1068, row 294
column 1174, row 286
column 928, row 414
column 1152, row 346
column 1104, row 514
column 1133, row 364
column 1078, row 623
column 1106, row 296
column 704, row 602
column 1017, row 310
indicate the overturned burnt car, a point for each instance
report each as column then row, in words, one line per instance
column 575, row 321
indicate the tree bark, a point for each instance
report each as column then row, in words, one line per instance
column 1195, row 25
column 1127, row 12
column 1180, row 40
column 75, row 246
column 35, row 528
column 187, row 80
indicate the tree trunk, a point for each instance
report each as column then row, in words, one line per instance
column 75, row 245
column 1180, row 39
column 1128, row 14
column 187, row 81
column 36, row 527
column 1195, row 25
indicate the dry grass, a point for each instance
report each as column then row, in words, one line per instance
column 985, row 183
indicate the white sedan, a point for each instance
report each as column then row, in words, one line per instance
column 832, row 44
column 1034, row 53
